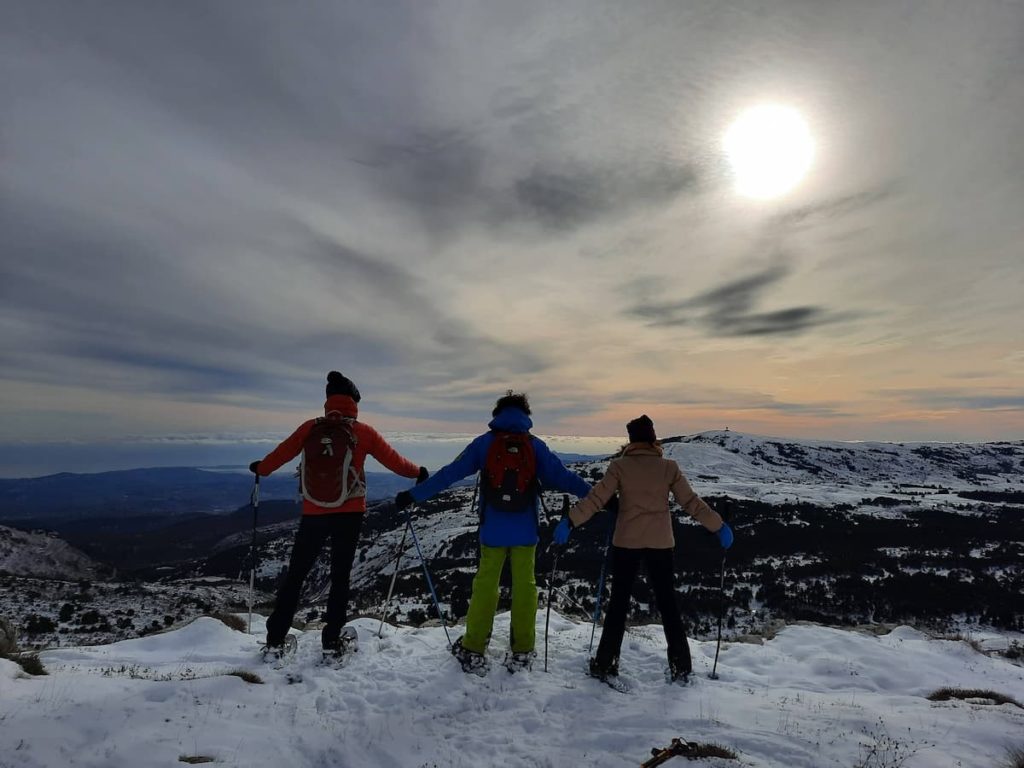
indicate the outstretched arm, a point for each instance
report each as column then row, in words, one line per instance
column 382, row 451
column 693, row 504
column 465, row 464
column 285, row 452
column 598, row 497
column 554, row 475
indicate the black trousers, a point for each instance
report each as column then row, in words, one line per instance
column 314, row 530
column 661, row 577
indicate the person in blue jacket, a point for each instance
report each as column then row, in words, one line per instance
column 504, row 532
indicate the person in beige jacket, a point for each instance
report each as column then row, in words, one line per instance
column 643, row 479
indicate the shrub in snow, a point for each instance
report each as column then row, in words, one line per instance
column 230, row 620
column 1014, row 757
column 36, row 624
column 250, row 677
column 8, row 637
column 30, row 663
column 976, row 695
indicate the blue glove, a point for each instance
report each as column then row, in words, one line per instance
column 725, row 535
column 561, row 534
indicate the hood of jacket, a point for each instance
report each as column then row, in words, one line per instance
column 511, row 420
column 343, row 405
column 642, row 449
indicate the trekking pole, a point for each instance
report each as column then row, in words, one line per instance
column 600, row 582
column 255, row 501
column 426, row 572
column 721, row 613
column 394, row 578
column 551, row 577
column 726, row 516
column 547, row 620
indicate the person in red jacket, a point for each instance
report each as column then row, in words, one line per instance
column 333, row 482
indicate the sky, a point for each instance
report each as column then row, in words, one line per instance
column 206, row 207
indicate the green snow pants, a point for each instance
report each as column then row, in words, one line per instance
column 484, row 600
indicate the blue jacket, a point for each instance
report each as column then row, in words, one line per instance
column 499, row 528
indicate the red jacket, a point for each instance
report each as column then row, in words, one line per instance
column 369, row 442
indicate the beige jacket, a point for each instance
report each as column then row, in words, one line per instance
column 643, row 479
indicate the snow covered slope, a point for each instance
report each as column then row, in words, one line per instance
column 809, row 697
column 852, row 486
column 824, row 472
column 43, row 556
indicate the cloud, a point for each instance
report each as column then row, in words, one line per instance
column 730, row 400
column 455, row 182
column 569, row 199
column 958, row 399
column 785, row 322
column 825, row 211
column 727, row 310
column 92, row 314
column 220, row 205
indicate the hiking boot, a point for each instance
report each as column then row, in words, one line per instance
column 471, row 661
column 278, row 649
column 339, row 643
column 602, row 670
column 518, row 661
column 679, row 673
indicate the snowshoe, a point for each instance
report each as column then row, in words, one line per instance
column 278, row 653
column 521, row 661
column 336, row 651
column 471, row 661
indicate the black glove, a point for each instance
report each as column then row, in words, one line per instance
column 423, row 475
column 255, row 468
column 403, row 500
column 612, row 505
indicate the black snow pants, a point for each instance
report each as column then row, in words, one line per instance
column 314, row 530
column 661, row 577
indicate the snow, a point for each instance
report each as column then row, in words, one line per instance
column 43, row 555
column 779, row 470
column 809, row 696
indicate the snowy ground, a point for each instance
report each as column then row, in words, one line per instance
column 811, row 696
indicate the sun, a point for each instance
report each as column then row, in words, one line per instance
column 770, row 150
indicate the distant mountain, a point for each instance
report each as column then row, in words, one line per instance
column 154, row 491
column 40, row 555
column 773, row 469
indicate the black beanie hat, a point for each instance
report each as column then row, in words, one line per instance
column 641, row 430
column 341, row 385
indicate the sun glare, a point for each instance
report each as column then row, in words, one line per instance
column 770, row 150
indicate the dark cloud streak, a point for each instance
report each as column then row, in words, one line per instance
column 959, row 399
column 727, row 310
